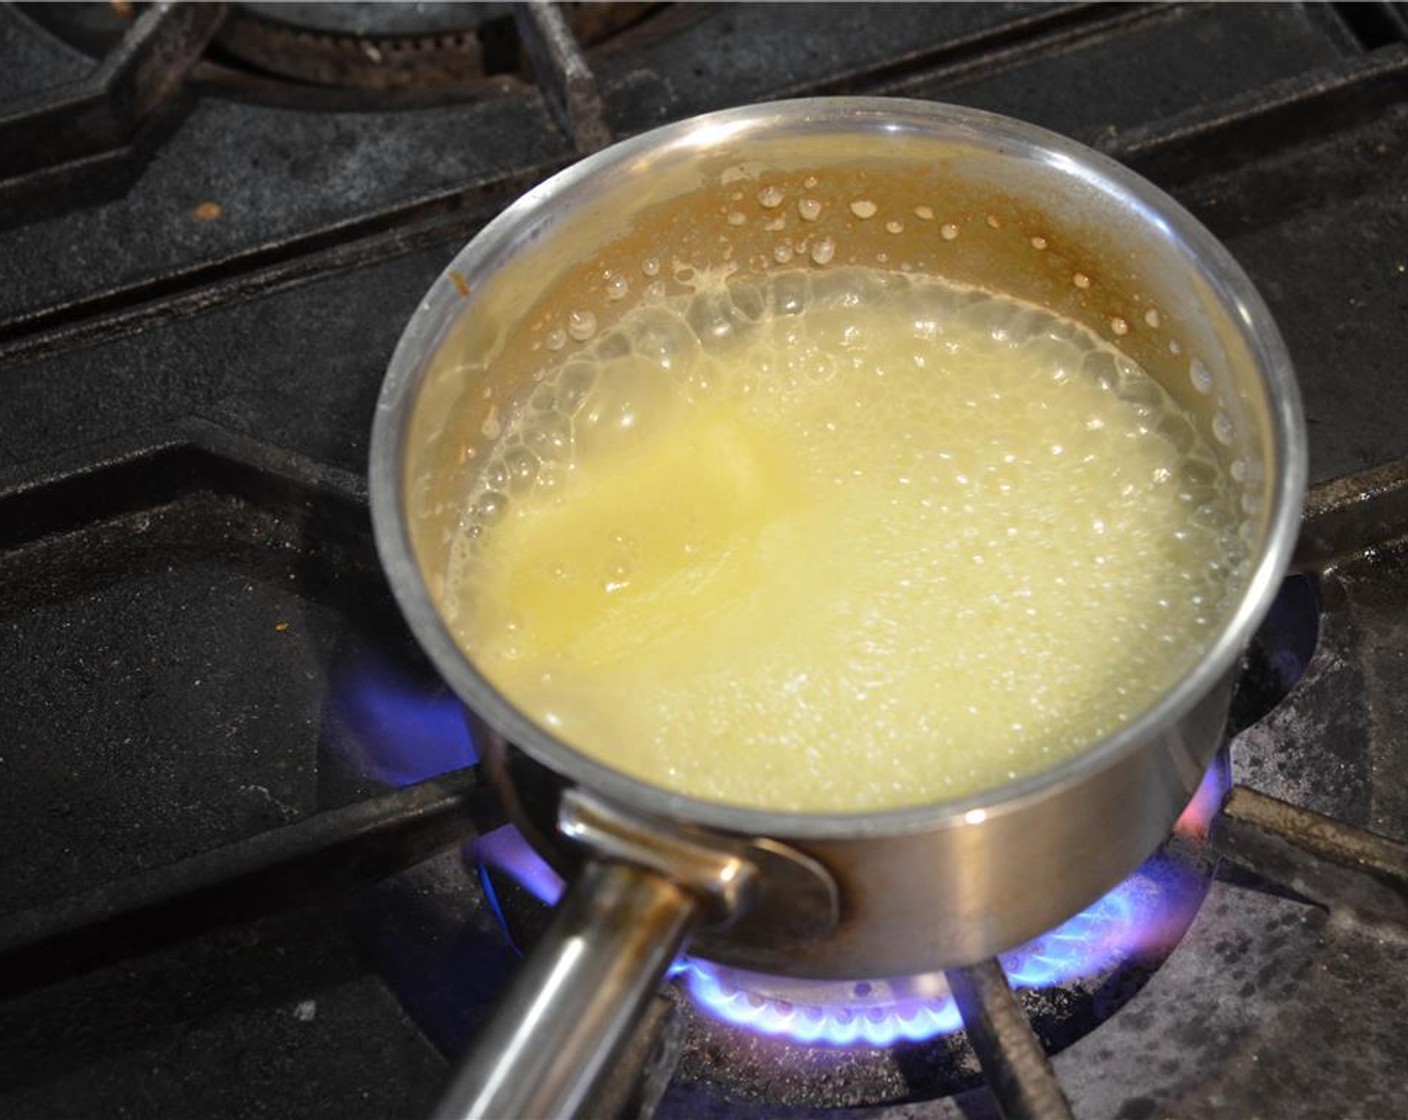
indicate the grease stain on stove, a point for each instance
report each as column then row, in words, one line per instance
column 1310, row 749
column 1138, row 1108
column 1231, row 949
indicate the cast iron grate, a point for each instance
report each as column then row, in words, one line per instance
column 1327, row 126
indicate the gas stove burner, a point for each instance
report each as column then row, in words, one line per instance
column 377, row 20
column 305, row 53
column 382, row 22
column 790, row 1041
column 421, row 47
column 424, row 47
column 1279, row 654
column 800, row 1042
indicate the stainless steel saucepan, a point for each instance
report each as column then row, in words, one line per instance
column 989, row 201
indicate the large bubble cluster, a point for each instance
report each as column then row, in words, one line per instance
column 842, row 539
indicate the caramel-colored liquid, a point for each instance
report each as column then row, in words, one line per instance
column 841, row 542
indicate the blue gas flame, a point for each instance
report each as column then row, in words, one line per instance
column 831, row 1025
column 392, row 725
column 1123, row 923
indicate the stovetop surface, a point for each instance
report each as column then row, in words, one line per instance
column 198, row 648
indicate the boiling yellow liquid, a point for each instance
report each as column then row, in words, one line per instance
column 846, row 541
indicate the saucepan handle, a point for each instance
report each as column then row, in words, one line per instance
column 575, row 1000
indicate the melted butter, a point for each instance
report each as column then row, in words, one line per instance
column 844, row 541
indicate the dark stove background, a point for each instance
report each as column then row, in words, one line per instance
column 191, row 617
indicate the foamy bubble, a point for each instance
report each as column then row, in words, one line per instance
column 490, row 508
column 581, row 325
column 549, row 437
column 664, row 339
column 710, row 317
column 789, row 290
column 522, row 467
column 1200, row 376
column 771, row 197
column 1222, row 429
column 748, row 301
column 496, row 474
column 573, row 385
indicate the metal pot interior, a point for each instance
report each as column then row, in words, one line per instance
column 976, row 198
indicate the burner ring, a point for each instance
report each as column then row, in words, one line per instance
column 367, row 55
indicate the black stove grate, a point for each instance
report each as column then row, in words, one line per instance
column 212, row 881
